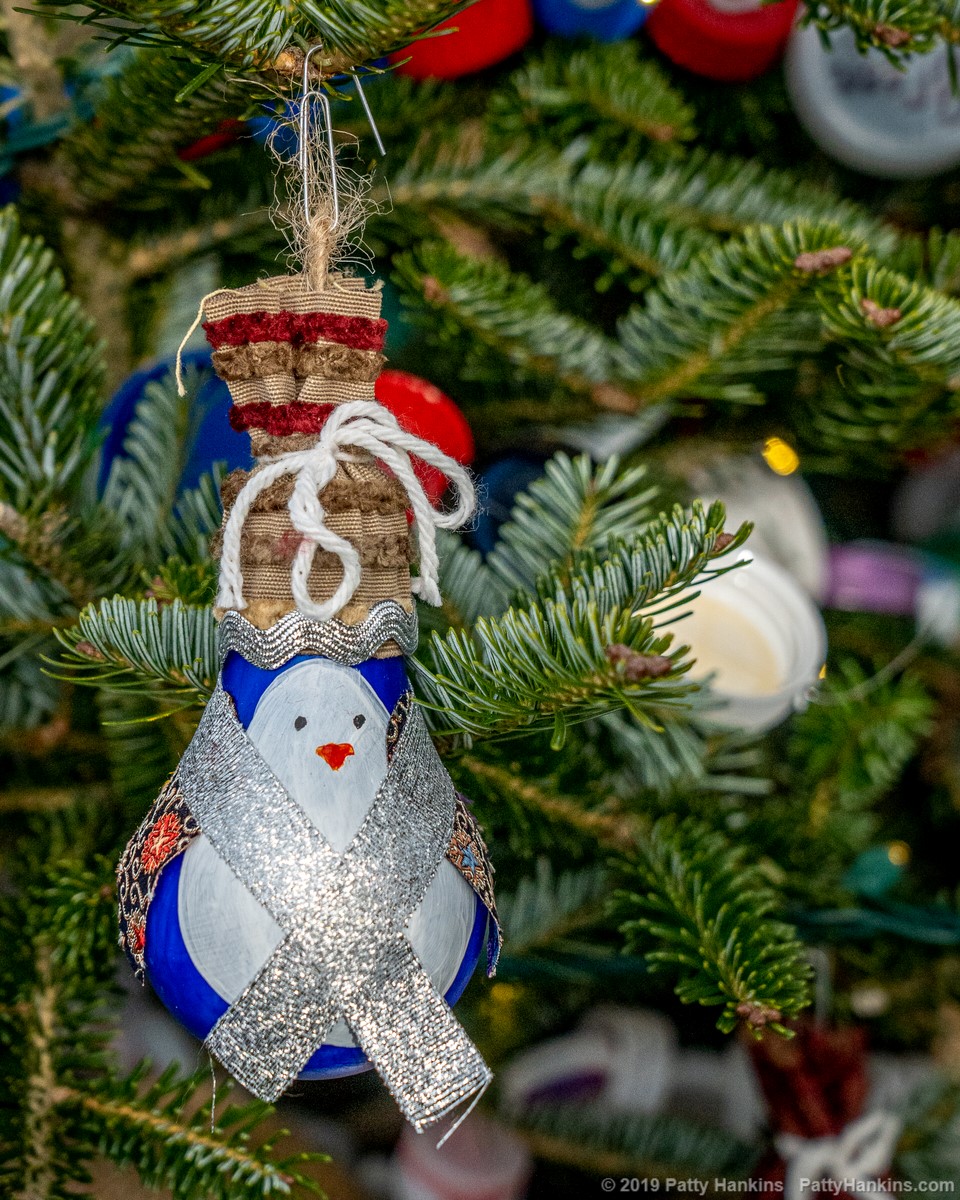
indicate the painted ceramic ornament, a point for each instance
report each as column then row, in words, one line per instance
column 423, row 409
column 605, row 20
column 309, row 894
column 480, row 36
column 728, row 40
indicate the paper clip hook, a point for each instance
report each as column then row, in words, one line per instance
column 309, row 94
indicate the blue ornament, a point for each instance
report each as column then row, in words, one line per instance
column 189, row 964
column 211, row 439
column 498, row 488
column 605, row 20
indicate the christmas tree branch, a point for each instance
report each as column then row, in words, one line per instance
column 153, row 1131
column 660, row 1147
column 547, row 907
column 503, row 320
column 122, row 644
column 50, row 378
column 575, row 506
column 39, row 1174
column 271, row 37
column 699, row 907
column 583, row 646
column 567, row 93
column 157, row 255
column 733, row 314
column 897, row 29
column 128, row 155
column 614, row 830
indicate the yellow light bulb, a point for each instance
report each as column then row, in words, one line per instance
column 898, row 853
column 780, row 456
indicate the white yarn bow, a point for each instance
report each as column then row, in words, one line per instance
column 856, row 1155
column 367, row 426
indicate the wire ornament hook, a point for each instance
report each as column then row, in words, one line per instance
column 307, row 96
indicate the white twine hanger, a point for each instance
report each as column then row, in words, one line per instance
column 365, row 425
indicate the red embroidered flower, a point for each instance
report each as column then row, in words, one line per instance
column 161, row 842
column 138, row 935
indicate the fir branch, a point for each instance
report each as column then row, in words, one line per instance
column 858, row 737
column 740, row 312
column 659, row 1147
column 158, row 255
column 142, row 492
column 896, row 27
column 725, row 195
column 469, row 588
column 141, row 749
column 842, row 757
column 898, row 341
column 271, row 35
column 546, row 907
column 605, row 85
column 574, row 507
column 932, row 258
column 641, row 218
column 42, row 1171
column 127, row 156
column 153, row 1130
column 142, row 487
column 132, row 645
column 700, row 909
column 51, row 375
column 532, row 805
column 499, row 320
column 546, row 663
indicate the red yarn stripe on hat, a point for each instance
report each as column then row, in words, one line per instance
column 363, row 333
column 280, row 420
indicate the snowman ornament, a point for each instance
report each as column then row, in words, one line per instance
column 322, row 728
column 309, row 895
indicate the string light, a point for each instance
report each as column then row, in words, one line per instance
column 780, row 456
column 898, row 853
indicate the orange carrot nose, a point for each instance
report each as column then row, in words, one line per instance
column 335, row 754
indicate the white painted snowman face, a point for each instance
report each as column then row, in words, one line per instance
column 323, row 731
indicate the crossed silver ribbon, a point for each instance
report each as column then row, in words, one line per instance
column 344, row 951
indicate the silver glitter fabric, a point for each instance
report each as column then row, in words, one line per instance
column 345, row 952
column 296, row 634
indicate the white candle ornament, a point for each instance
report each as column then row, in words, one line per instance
column 757, row 639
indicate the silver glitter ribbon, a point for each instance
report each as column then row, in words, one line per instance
column 297, row 634
column 345, row 952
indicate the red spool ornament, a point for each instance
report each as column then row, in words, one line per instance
column 730, row 41
column 486, row 33
column 422, row 409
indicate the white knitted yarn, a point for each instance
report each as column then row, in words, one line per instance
column 366, row 425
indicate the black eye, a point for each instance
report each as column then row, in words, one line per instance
column 299, row 723
column 358, row 720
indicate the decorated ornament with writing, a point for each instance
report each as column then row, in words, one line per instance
column 309, row 893
column 892, row 119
